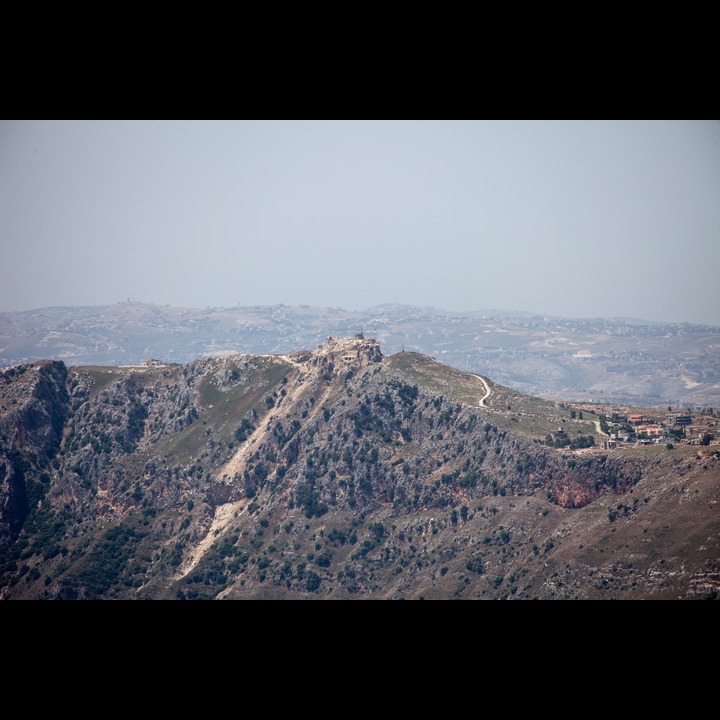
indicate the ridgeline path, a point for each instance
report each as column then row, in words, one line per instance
column 488, row 391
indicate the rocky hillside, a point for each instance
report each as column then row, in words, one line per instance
column 333, row 473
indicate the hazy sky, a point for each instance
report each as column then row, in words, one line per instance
column 576, row 218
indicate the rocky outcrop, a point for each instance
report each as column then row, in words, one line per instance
column 33, row 409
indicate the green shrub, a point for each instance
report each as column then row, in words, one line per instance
column 475, row 565
column 312, row 581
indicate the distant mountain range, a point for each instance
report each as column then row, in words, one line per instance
column 602, row 359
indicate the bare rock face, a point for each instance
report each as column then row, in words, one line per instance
column 13, row 502
column 343, row 354
column 33, row 409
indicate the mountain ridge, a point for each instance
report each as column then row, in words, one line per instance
column 335, row 472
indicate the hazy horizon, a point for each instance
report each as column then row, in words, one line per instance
column 360, row 310
column 577, row 219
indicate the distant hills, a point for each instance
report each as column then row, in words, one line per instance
column 602, row 359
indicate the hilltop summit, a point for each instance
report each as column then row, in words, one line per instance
column 355, row 352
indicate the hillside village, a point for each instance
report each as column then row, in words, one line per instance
column 632, row 427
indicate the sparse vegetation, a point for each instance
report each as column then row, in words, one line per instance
column 386, row 481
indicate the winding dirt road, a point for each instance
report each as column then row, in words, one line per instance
column 488, row 391
column 599, row 430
